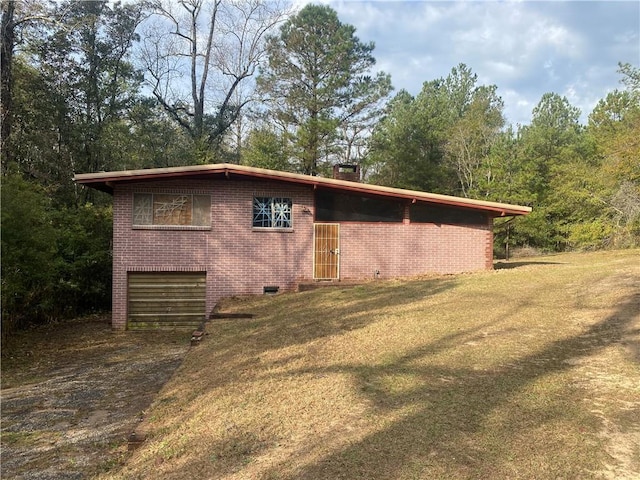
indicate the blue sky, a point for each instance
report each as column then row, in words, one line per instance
column 526, row 48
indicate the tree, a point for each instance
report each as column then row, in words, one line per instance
column 384, row 162
column 7, row 28
column 318, row 85
column 438, row 140
column 555, row 158
column 56, row 262
column 73, row 82
column 549, row 140
column 503, row 177
column 83, row 263
column 72, row 89
column 631, row 77
column 145, row 137
column 405, row 146
column 217, row 45
column 613, row 126
column 615, row 123
column 12, row 26
column 476, row 125
column 28, row 253
column 266, row 148
column 505, row 173
column 102, row 81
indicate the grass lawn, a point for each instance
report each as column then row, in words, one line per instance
column 531, row 371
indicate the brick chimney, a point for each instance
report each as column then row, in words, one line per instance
column 343, row 171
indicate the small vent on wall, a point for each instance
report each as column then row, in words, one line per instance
column 270, row 289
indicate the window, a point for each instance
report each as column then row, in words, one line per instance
column 349, row 207
column 272, row 212
column 426, row 213
column 171, row 209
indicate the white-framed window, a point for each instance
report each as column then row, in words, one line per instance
column 171, row 209
column 272, row 212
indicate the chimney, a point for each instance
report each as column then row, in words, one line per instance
column 344, row 171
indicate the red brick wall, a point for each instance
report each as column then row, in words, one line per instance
column 241, row 260
column 396, row 250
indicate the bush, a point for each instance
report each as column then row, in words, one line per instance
column 55, row 263
column 590, row 235
column 28, row 254
column 83, row 260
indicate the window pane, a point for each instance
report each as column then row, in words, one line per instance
column 281, row 212
column 142, row 209
column 172, row 209
column 271, row 212
column 261, row 212
column 202, row 210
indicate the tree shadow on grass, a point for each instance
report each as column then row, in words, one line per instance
column 344, row 309
column 439, row 435
column 509, row 264
column 242, row 344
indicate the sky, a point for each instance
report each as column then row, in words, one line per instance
column 525, row 48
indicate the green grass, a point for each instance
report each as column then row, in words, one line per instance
column 526, row 372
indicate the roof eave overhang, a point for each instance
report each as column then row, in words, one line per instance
column 106, row 181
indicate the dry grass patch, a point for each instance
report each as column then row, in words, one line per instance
column 523, row 372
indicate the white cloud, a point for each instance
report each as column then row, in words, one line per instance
column 518, row 107
column 525, row 48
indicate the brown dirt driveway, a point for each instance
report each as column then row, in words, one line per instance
column 72, row 393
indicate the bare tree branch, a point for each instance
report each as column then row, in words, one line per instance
column 199, row 54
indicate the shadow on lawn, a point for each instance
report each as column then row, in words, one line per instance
column 439, row 431
column 345, row 309
column 509, row 264
column 240, row 344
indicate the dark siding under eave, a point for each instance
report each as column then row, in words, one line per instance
column 334, row 206
column 348, row 207
column 421, row 212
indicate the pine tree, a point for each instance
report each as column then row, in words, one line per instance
column 318, row 82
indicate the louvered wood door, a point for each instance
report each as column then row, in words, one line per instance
column 326, row 256
column 166, row 300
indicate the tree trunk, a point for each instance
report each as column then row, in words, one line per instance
column 6, row 80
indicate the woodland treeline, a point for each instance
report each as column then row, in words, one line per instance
column 96, row 85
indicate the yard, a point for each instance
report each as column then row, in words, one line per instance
column 531, row 371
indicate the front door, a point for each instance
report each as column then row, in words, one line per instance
column 326, row 256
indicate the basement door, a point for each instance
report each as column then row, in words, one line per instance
column 166, row 300
column 326, row 251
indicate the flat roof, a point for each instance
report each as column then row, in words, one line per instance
column 105, row 181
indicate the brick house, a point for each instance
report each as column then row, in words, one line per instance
column 184, row 237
